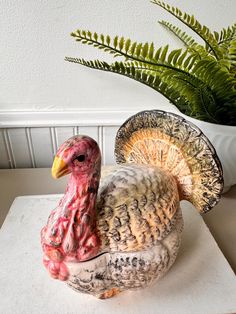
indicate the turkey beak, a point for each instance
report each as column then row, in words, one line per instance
column 59, row 168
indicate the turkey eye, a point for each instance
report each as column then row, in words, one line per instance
column 80, row 158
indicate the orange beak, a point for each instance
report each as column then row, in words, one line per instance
column 59, row 168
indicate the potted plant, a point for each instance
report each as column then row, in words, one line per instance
column 199, row 79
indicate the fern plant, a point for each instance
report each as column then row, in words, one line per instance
column 199, row 79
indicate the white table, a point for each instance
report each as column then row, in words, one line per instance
column 201, row 280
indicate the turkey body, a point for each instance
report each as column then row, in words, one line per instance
column 139, row 223
column 136, row 207
column 123, row 231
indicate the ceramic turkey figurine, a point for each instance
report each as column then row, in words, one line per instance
column 123, row 232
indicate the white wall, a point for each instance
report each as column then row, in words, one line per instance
column 35, row 38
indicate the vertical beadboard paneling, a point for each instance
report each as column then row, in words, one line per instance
column 91, row 131
column 100, row 142
column 109, row 134
column 42, row 146
column 31, row 140
column 20, row 148
column 36, row 147
column 30, row 146
column 53, row 140
column 63, row 133
column 8, row 148
column 75, row 130
column 4, row 159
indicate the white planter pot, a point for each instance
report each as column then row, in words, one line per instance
column 223, row 138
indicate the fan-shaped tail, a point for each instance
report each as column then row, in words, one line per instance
column 170, row 142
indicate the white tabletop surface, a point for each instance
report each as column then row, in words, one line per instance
column 201, row 280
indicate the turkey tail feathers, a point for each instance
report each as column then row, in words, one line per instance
column 168, row 141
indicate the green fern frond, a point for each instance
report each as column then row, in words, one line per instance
column 183, row 36
column 186, row 39
column 206, row 101
column 176, row 87
column 226, row 39
column 119, row 46
column 139, row 52
column 232, row 52
column 226, row 34
column 154, row 78
column 182, row 90
column 200, row 81
column 189, row 20
column 193, row 66
column 212, row 74
column 130, row 70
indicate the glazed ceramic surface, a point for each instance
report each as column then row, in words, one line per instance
column 223, row 138
column 124, row 231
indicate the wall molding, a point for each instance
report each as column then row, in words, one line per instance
column 19, row 119
column 30, row 139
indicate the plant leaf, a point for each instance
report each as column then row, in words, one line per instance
column 190, row 21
